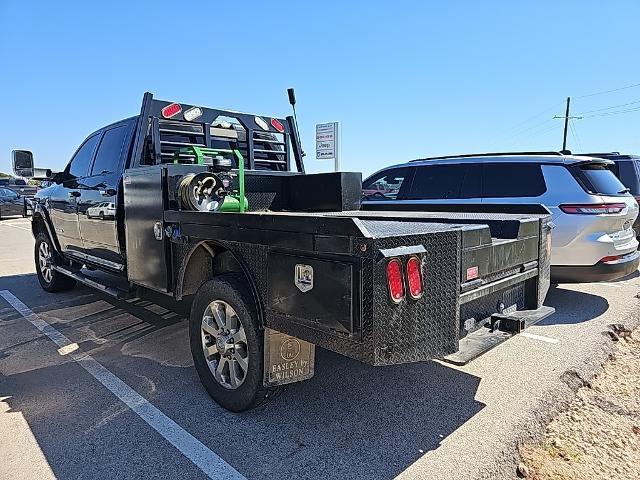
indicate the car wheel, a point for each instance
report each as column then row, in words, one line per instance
column 227, row 344
column 50, row 279
column 101, row 215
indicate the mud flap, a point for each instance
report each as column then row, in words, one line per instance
column 287, row 359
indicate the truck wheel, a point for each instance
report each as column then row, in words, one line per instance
column 50, row 279
column 226, row 343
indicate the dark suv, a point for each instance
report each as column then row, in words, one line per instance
column 627, row 169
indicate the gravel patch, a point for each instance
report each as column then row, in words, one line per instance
column 598, row 435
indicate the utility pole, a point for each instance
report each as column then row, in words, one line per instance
column 566, row 125
column 566, row 117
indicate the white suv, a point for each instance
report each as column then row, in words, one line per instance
column 592, row 211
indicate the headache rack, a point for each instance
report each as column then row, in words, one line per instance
column 164, row 135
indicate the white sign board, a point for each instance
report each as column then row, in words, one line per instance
column 328, row 142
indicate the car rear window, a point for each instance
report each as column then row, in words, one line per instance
column 510, row 180
column 598, row 178
column 435, row 182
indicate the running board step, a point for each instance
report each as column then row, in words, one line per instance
column 112, row 291
column 504, row 326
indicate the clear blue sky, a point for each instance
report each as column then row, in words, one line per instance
column 406, row 79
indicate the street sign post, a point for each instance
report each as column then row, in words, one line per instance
column 328, row 142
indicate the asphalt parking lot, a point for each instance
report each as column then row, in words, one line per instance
column 117, row 395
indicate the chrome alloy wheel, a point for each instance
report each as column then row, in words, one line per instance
column 224, row 343
column 44, row 259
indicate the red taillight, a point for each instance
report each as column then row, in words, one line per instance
column 414, row 277
column 394, row 279
column 610, row 258
column 593, row 209
column 277, row 125
column 171, row 110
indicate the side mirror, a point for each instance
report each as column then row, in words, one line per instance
column 22, row 163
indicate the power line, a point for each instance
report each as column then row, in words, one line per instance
column 514, row 129
column 610, row 108
column 608, row 91
column 533, row 135
column 535, row 126
column 533, row 117
column 574, row 132
column 607, row 114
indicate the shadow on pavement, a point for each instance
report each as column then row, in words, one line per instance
column 351, row 420
column 631, row 276
column 565, row 302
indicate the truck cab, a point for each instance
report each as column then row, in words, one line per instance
column 92, row 177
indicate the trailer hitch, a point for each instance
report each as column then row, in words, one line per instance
column 507, row 323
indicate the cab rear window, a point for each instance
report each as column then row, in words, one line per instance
column 597, row 178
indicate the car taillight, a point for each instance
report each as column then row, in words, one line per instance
column 414, row 278
column 394, row 279
column 593, row 209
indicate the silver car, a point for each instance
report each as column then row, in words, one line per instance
column 592, row 211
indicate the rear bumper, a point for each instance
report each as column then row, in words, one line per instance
column 503, row 327
column 598, row 272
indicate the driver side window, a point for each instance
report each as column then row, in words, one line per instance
column 386, row 185
column 79, row 165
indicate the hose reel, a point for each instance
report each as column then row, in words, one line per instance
column 207, row 191
column 203, row 192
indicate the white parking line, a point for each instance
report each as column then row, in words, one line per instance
column 205, row 459
column 14, row 226
column 542, row 338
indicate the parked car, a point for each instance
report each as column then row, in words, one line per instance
column 592, row 210
column 627, row 169
column 11, row 203
column 102, row 210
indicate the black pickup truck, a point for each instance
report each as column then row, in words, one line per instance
column 213, row 207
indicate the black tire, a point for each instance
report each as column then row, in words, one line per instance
column 58, row 282
column 231, row 289
column 101, row 215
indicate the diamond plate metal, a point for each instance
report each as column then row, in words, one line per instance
column 387, row 333
column 426, row 328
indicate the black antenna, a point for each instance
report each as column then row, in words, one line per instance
column 292, row 100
